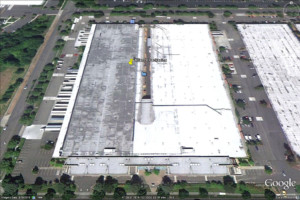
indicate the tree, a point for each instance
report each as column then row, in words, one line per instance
column 49, row 66
column 60, row 42
column 13, row 142
column 20, row 70
column 30, row 192
column 156, row 171
column 135, row 183
column 229, row 184
column 66, row 179
column 35, row 170
column 57, row 47
column 11, row 184
column 167, row 184
column 68, row 194
column 110, row 184
column 222, row 49
column 227, row 13
column 167, row 181
column 98, row 195
column 142, row 192
column 10, row 189
column 269, row 194
column 148, row 6
column 148, row 172
column 183, row 194
column 246, row 194
column 141, row 22
column 119, row 193
column 50, row 194
column 162, row 193
column 203, row 192
column 268, row 169
column 136, row 180
column 39, row 181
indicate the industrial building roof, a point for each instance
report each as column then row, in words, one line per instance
column 193, row 114
column 176, row 165
column 103, row 114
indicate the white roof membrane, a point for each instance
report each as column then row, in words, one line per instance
column 193, row 113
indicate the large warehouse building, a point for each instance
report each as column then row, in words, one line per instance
column 169, row 108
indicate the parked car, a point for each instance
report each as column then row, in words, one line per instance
column 247, row 137
column 258, row 137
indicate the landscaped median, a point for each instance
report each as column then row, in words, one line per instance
column 36, row 95
column 12, row 153
column 63, row 187
column 40, row 86
column 217, row 186
column 57, row 162
column 106, row 187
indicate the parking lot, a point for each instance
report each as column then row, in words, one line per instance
column 32, row 154
column 265, row 123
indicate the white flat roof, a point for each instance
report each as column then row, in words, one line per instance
column 191, row 105
column 209, row 133
column 21, row 2
column 298, row 26
column 275, row 52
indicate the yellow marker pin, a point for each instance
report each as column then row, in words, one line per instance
column 130, row 61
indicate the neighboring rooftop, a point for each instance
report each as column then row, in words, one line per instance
column 193, row 114
column 21, row 2
column 275, row 52
column 103, row 115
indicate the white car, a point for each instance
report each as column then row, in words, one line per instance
column 258, row 137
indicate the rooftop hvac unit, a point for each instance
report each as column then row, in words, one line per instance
column 109, row 150
column 187, row 149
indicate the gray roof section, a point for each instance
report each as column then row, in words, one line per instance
column 103, row 114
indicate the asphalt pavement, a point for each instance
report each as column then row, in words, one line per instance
column 196, row 3
column 272, row 150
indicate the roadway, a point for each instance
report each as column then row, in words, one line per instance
column 196, row 3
